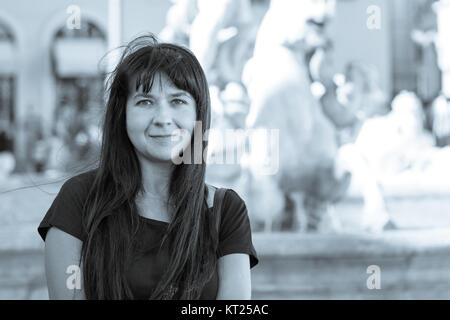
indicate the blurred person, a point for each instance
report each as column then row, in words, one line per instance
column 321, row 69
column 399, row 152
column 384, row 146
column 33, row 128
column 440, row 109
column 236, row 104
column 279, row 87
column 398, row 145
column 393, row 142
column 360, row 95
column 74, row 140
column 7, row 159
column 362, row 98
column 7, row 164
column 140, row 226
column 423, row 35
column 39, row 154
column 59, row 145
column 5, row 136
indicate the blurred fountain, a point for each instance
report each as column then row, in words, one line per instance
column 278, row 83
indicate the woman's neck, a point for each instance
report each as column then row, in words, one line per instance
column 156, row 178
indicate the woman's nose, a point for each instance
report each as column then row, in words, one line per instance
column 163, row 116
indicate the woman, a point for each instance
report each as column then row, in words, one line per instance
column 138, row 226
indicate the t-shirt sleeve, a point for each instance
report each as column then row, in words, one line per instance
column 65, row 213
column 235, row 234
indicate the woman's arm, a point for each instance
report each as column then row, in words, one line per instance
column 62, row 255
column 234, row 277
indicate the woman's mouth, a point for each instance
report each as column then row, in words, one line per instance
column 164, row 138
column 174, row 136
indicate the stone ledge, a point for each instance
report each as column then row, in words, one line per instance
column 389, row 243
column 393, row 242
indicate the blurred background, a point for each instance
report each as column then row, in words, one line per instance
column 350, row 200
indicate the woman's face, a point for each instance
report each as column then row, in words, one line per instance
column 152, row 118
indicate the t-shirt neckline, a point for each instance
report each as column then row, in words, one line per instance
column 154, row 221
column 158, row 222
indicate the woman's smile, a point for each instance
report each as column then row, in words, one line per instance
column 166, row 138
column 163, row 139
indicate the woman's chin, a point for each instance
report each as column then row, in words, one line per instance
column 159, row 157
column 163, row 153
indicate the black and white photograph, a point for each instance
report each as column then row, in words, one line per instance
column 225, row 150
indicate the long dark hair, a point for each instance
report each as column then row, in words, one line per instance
column 110, row 214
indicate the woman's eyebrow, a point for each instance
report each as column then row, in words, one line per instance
column 149, row 95
column 143, row 95
column 180, row 94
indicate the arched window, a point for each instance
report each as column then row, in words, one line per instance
column 7, row 88
column 79, row 81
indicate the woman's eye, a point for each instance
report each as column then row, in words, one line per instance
column 178, row 101
column 144, row 103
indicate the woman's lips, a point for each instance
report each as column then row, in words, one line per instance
column 165, row 137
column 162, row 138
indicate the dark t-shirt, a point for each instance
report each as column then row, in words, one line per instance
column 149, row 262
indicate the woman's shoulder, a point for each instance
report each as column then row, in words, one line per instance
column 233, row 205
column 235, row 234
column 65, row 212
column 230, row 196
column 81, row 181
column 77, row 187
